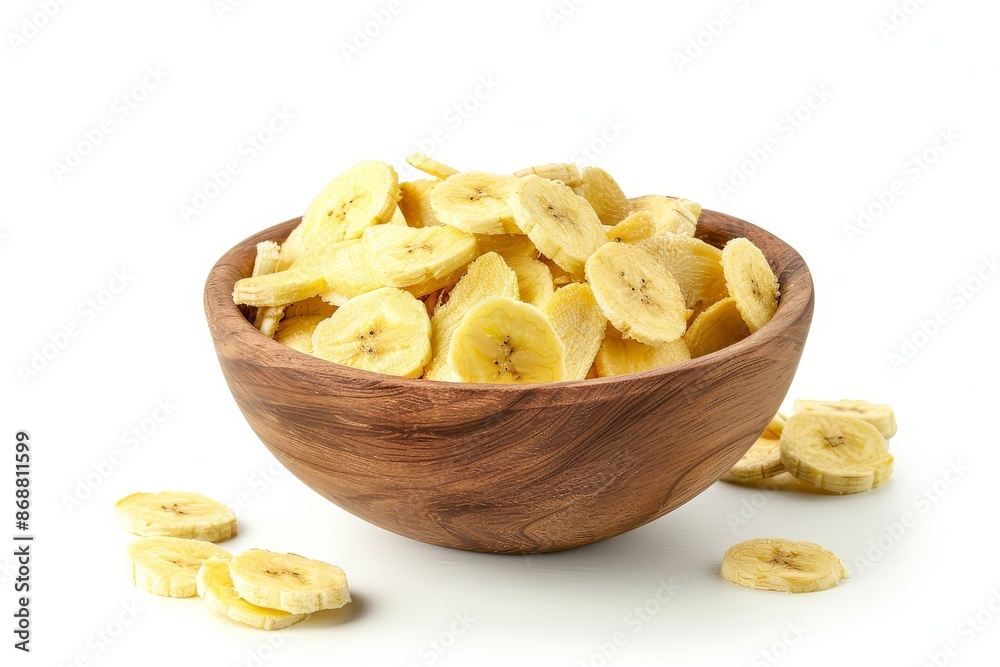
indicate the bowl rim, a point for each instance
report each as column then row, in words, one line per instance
column 224, row 316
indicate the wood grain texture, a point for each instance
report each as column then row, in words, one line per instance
column 512, row 468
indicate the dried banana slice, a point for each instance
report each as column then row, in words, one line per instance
column 215, row 587
column 637, row 294
column 281, row 288
column 763, row 460
column 719, row 326
column 506, row 245
column 346, row 272
column 168, row 566
column 604, row 195
column 879, row 416
column 429, row 165
column 476, row 202
column 404, row 256
column 563, row 226
column 364, row 195
column 836, row 452
column 672, row 216
column 578, row 321
column 416, row 203
column 621, row 356
column 176, row 514
column 694, row 264
column 750, row 280
column 385, row 331
column 534, row 279
column 636, row 227
column 504, row 341
column 293, row 247
column 308, row 307
column 288, row 582
column 567, row 173
column 487, row 277
column 773, row 564
column 266, row 262
column 297, row 332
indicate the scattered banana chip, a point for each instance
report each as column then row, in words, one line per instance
column 836, row 452
column 657, row 295
column 215, row 587
column 879, row 416
column 773, row 564
column 751, row 282
column 763, row 459
column 501, row 340
column 167, row 566
column 288, row 582
column 174, row 514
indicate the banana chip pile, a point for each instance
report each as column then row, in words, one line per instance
column 544, row 275
column 176, row 558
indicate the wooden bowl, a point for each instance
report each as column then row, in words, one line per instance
column 512, row 468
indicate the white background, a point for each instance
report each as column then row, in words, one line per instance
column 605, row 76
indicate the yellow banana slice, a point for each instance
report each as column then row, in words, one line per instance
column 604, row 195
column 281, row 288
column 750, row 280
column 879, row 416
column 288, row 582
column 563, row 226
column 308, row 307
column 429, row 165
column 836, row 452
column 637, row 294
column 534, row 279
column 385, row 331
column 763, row 460
column 476, row 203
column 636, row 227
column 717, row 327
column 176, row 514
column 672, row 216
column 578, row 321
column 773, row 564
column 346, row 271
column 266, row 260
column 168, row 566
column 487, row 277
column 416, row 203
column 215, row 587
column 404, row 256
column 292, row 248
column 567, row 173
column 621, row 356
column 364, row 195
column 504, row 341
column 694, row 264
column 506, row 245
column 297, row 332
column 559, row 275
